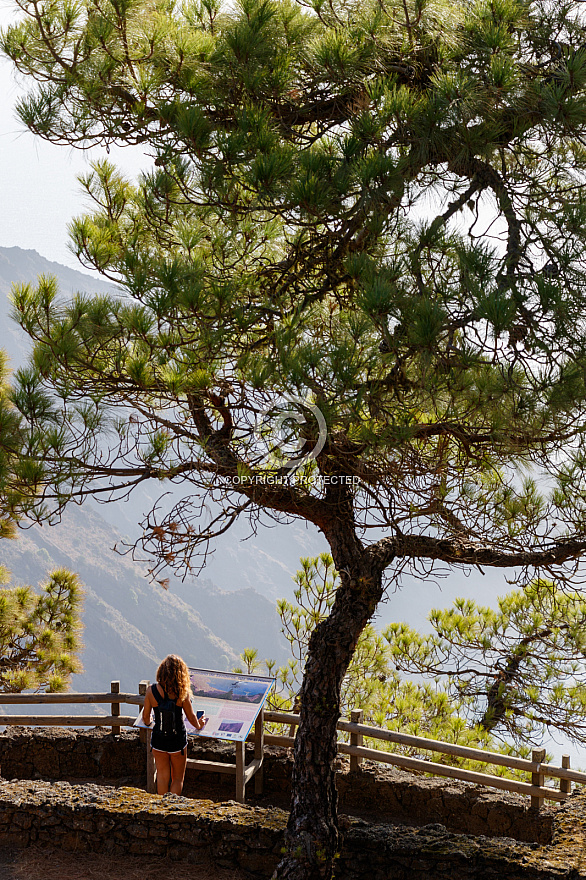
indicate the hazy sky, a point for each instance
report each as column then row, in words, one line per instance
column 39, row 193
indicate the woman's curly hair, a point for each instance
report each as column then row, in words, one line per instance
column 173, row 676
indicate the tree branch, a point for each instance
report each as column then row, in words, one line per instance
column 459, row 551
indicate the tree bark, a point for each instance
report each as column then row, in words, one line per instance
column 499, row 693
column 312, row 836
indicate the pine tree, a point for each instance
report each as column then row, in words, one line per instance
column 517, row 671
column 39, row 634
column 365, row 221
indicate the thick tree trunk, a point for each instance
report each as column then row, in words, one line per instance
column 312, row 832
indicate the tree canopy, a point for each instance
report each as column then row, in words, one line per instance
column 284, row 244
column 517, row 670
column 40, row 634
column 363, row 225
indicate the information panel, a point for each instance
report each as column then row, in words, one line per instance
column 230, row 700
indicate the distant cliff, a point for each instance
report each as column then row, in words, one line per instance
column 130, row 624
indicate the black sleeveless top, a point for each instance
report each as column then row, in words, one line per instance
column 160, row 742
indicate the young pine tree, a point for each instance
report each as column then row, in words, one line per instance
column 517, row 671
column 40, row 634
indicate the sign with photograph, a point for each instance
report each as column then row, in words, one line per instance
column 230, row 700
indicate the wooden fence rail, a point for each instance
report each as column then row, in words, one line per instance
column 48, row 699
column 114, row 720
column 536, row 768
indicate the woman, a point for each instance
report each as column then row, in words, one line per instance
column 169, row 698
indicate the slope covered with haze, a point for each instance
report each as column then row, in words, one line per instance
column 130, row 623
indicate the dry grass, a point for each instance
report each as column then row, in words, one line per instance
column 52, row 864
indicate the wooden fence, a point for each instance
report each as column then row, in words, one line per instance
column 537, row 770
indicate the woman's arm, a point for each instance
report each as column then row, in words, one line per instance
column 198, row 723
column 148, row 705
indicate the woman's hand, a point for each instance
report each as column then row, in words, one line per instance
column 198, row 723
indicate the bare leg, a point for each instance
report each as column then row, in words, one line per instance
column 163, row 765
column 178, row 764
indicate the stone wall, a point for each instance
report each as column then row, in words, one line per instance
column 61, row 753
column 383, row 794
column 91, row 818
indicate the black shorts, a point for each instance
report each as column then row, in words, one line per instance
column 171, row 744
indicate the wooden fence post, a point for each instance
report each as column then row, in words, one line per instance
column 538, row 778
column 115, row 707
column 356, row 739
column 259, row 743
column 566, row 784
column 296, row 710
column 240, row 772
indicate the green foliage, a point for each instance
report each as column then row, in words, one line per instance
column 40, row 634
column 14, row 472
column 517, row 671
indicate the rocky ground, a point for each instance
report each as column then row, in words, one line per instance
column 46, row 864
